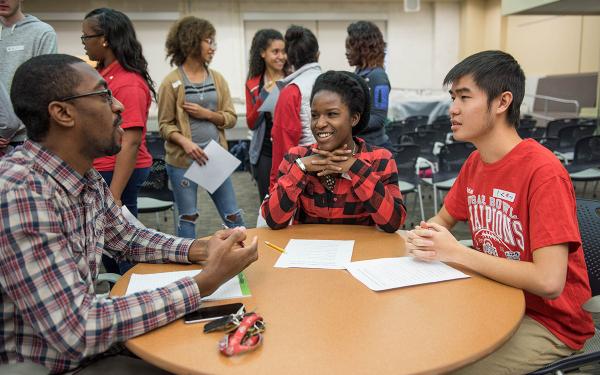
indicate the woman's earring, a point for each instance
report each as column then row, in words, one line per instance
column 104, row 44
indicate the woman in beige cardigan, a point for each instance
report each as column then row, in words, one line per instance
column 194, row 107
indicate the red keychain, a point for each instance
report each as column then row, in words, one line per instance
column 245, row 338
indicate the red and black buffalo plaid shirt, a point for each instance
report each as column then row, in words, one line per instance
column 368, row 195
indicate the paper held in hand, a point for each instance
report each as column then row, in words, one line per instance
column 390, row 273
column 219, row 166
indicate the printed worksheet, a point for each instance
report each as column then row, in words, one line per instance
column 316, row 254
column 390, row 273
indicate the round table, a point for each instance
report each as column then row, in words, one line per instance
column 327, row 322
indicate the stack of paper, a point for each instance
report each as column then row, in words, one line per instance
column 316, row 254
column 236, row 287
column 389, row 273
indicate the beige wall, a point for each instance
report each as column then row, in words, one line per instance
column 546, row 45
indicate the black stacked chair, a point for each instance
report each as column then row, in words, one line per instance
column 589, row 227
column 586, row 162
column 395, row 132
column 399, row 128
column 551, row 143
column 569, row 135
column 155, row 195
column 450, row 160
column 554, row 126
column 526, row 127
column 406, row 156
column 417, row 120
column 425, row 139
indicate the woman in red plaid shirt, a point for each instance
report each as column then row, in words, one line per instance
column 340, row 179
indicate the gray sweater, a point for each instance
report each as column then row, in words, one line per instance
column 9, row 122
column 25, row 39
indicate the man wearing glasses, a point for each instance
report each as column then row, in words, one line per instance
column 57, row 216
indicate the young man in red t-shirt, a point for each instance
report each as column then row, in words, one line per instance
column 520, row 205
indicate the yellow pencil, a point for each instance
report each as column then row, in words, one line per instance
column 274, row 247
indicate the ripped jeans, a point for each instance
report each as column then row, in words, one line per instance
column 186, row 196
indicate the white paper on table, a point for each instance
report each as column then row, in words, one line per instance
column 389, row 273
column 130, row 218
column 231, row 289
column 219, row 166
column 316, row 254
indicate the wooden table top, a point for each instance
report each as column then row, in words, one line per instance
column 327, row 322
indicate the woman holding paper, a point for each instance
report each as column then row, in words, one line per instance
column 340, row 179
column 194, row 108
column 266, row 66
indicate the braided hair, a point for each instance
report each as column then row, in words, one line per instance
column 353, row 91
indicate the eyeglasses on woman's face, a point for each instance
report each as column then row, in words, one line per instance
column 86, row 37
column 211, row 43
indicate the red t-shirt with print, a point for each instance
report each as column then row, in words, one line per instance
column 132, row 91
column 521, row 203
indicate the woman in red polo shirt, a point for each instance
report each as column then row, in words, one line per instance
column 109, row 38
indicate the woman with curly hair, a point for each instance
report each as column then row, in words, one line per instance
column 365, row 50
column 109, row 38
column 194, row 108
column 340, row 179
column 266, row 66
column 291, row 119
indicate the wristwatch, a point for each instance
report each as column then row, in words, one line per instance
column 300, row 165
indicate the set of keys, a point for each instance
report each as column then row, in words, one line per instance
column 243, row 332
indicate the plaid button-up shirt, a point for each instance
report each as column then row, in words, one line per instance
column 368, row 196
column 54, row 224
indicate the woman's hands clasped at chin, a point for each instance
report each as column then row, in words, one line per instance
column 431, row 241
column 329, row 162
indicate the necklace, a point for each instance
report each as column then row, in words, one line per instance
column 329, row 180
column 199, row 94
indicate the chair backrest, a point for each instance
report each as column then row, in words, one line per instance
column 405, row 156
column 569, row 135
column 417, row 120
column 588, row 215
column 587, row 151
column 442, row 119
column 550, row 143
column 157, row 184
column 451, row 158
column 425, row 139
column 401, row 127
column 394, row 133
column 527, row 122
column 554, row 126
column 525, row 132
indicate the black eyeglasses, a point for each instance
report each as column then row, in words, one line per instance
column 106, row 93
column 85, row 37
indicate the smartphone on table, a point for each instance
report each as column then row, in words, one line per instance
column 204, row 314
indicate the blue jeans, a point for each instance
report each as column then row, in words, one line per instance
column 129, row 199
column 186, row 196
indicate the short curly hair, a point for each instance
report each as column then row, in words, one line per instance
column 353, row 91
column 365, row 38
column 185, row 37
